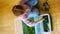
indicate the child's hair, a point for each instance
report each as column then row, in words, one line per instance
column 18, row 10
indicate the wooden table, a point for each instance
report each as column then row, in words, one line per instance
column 7, row 17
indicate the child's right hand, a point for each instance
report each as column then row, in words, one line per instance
column 41, row 20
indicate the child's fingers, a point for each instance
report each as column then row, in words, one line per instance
column 41, row 19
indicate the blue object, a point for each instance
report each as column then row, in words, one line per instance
column 39, row 26
column 34, row 13
column 32, row 2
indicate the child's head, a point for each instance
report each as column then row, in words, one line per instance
column 18, row 10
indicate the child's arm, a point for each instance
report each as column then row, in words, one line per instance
column 40, row 20
column 30, row 24
column 27, row 21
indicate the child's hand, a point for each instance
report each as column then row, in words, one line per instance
column 41, row 20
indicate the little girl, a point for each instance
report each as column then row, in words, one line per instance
column 22, row 12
